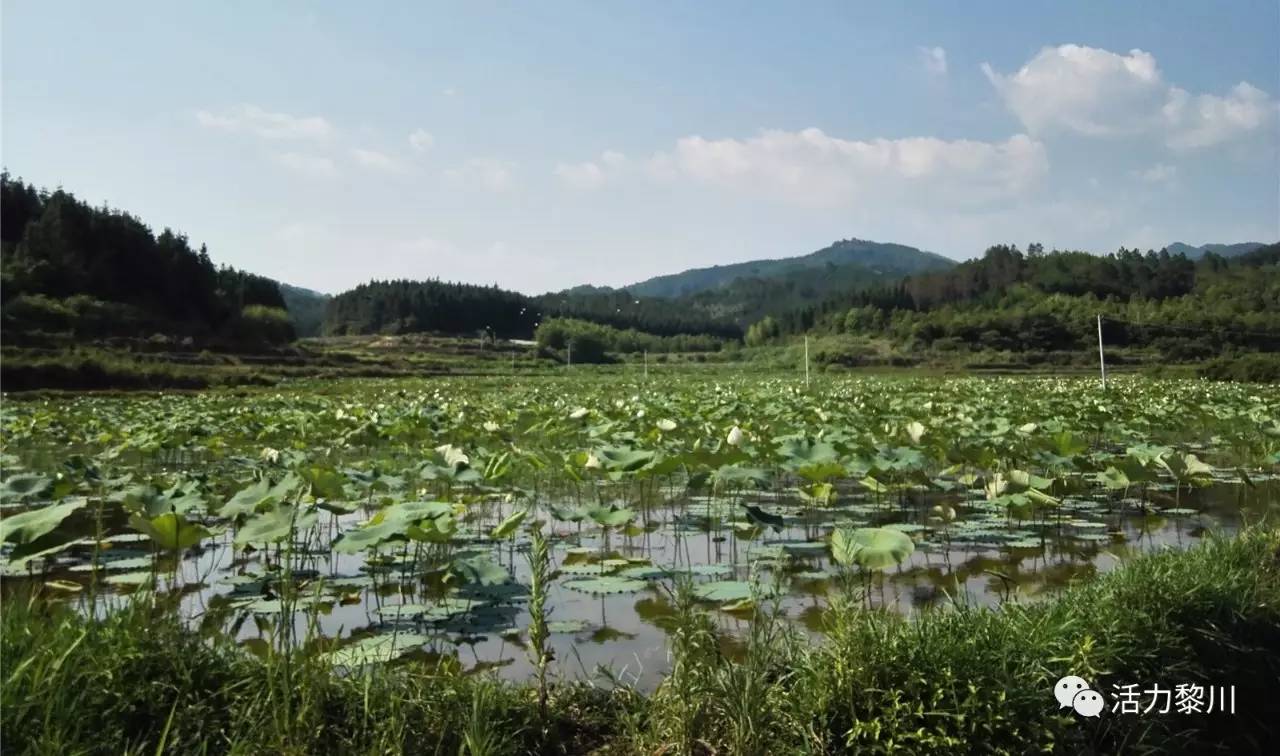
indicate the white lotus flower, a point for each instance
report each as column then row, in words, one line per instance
column 593, row 462
column 270, row 455
column 736, row 436
column 491, row 426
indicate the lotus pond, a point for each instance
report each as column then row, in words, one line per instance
column 383, row 522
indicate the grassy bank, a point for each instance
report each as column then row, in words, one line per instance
column 963, row 681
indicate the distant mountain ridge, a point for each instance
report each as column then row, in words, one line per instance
column 1221, row 250
column 306, row 308
column 880, row 260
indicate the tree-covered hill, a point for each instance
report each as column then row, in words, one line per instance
column 457, row 308
column 306, row 309
column 1013, row 301
column 1221, row 250
column 72, row 271
column 873, row 259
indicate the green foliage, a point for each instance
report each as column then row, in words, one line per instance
column 94, row 272
column 1039, row 303
column 591, row 341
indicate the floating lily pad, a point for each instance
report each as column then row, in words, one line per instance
column 606, row 585
column 376, row 648
column 723, row 591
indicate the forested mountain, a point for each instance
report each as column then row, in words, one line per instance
column 75, row 271
column 620, row 308
column 412, row 306
column 874, row 259
column 1037, row 301
column 1221, row 250
column 442, row 307
column 306, row 309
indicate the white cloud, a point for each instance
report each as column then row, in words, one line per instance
column 1099, row 93
column 312, row 166
column 935, row 60
column 809, row 167
column 487, row 173
column 375, row 160
column 586, row 175
column 448, row 92
column 1205, row 120
column 1160, row 173
column 251, row 119
column 421, row 140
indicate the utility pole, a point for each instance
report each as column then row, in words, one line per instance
column 646, row 364
column 806, row 361
column 569, row 346
column 1102, row 363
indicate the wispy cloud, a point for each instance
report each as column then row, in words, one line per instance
column 375, row 160
column 1160, row 173
column 421, row 140
column 251, row 119
column 935, row 60
column 810, row 167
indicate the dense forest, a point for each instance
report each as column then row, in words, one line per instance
column 437, row 306
column 1037, row 301
column 621, row 309
column 456, row 308
column 72, row 270
column 584, row 341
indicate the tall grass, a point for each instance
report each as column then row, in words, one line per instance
column 955, row 681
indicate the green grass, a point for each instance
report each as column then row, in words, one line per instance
column 958, row 681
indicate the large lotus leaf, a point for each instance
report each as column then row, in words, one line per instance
column 726, row 591
column 170, row 531
column 509, row 525
column 803, row 452
column 433, row 530
column 325, row 482
column 413, row 511
column 247, row 499
column 19, row 488
column 619, row 459
column 870, row 548
column 275, row 524
column 376, row 648
column 183, row 498
column 706, row 570
column 1186, row 467
column 28, row 526
column 606, row 585
column 569, row 626
column 568, row 514
column 733, row 476
column 611, row 518
column 370, row 536
column 479, row 569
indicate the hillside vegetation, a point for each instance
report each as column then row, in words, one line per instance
column 72, row 272
column 1168, row 307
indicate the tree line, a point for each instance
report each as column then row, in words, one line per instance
column 590, row 342
column 1038, row 301
column 89, row 271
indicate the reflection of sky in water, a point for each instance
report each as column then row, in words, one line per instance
column 969, row 561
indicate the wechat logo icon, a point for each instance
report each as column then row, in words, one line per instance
column 1074, row 693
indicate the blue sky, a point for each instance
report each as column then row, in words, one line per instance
column 543, row 145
